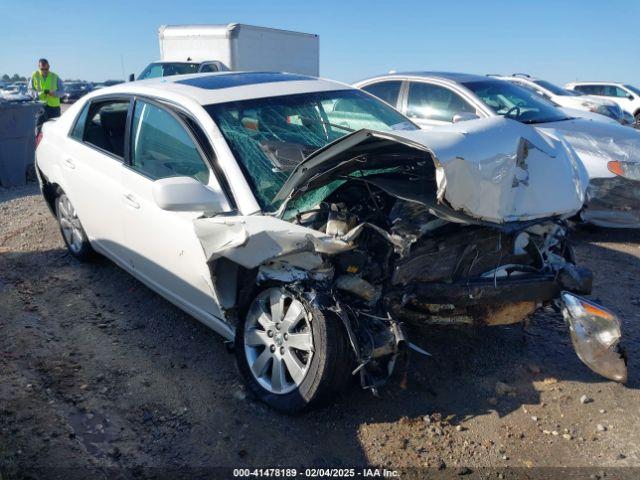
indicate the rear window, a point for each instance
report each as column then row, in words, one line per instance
column 166, row 69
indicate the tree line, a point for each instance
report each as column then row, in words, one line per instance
column 14, row 78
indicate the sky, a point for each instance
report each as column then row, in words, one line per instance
column 557, row 40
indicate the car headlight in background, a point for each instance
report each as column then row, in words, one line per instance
column 595, row 334
column 630, row 170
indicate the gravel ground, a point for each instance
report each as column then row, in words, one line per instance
column 97, row 371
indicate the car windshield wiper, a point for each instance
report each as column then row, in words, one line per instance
column 335, row 125
column 546, row 120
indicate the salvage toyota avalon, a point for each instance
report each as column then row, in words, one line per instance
column 310, row 222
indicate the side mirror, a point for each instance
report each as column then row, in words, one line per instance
column 630, row 97
column 132, row 77
column 464, row 116
column 186, row 194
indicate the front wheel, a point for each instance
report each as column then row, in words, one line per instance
column 291, row 355
column 73, row 234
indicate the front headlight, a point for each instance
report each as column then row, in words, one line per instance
column 595, row 334
column 630, row 170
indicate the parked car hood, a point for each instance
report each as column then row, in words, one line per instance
column 597, row 143
column 494, row 170
column 588, row 115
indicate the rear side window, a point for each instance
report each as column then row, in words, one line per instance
column 105, row 126
column 590, row 89
column 386, row 91
column 161, row 147
column 78, row 129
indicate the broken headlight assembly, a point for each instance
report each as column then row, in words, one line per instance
column 595, row 333
column 630, row 170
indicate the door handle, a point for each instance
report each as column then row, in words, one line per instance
column 130, row 200
column 69, row 164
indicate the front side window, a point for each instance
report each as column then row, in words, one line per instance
column 517, row 103
column 105, row 125
column 387, row 91
column 161, row 147
column 433, row 102
column 270, row 136
column 611, row 91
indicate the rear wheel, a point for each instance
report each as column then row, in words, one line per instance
column 73, row 234
column 636, row 124
column 291, row 355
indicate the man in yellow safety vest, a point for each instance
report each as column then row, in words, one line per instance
column 47, row 88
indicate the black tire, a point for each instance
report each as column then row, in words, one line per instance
column 637, row 122
column 328, row 369
column 76, row 242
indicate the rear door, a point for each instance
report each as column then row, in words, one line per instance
column 162, row 247
column 91, row 167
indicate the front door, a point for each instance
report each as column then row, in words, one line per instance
column 163, row 249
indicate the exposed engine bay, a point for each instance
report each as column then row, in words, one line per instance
column 407, row 265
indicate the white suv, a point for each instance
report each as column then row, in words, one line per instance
column 568, row 98
column 627, row 96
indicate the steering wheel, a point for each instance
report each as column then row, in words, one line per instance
column 514, row 108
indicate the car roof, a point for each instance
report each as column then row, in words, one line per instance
column 221, row 87
column 451, row 76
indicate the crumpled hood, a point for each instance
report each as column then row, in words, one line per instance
column 597, row 143
column 495, row 169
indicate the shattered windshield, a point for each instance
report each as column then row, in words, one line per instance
column 517, row 103
column 270, row 136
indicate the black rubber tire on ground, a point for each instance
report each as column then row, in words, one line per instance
column 328, row 373
column 81, row 249
column 637, row 122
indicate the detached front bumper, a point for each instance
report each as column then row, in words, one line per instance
column 595, row 331
column 489, row 301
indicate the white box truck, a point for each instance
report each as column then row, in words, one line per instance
column 211, row 48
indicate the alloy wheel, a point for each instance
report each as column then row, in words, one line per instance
column 278, row 340
column 70, row 224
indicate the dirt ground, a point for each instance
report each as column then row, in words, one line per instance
column 97, row 371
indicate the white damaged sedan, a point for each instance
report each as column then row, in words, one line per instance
column 309, row 222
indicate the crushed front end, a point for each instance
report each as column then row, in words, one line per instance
column 382, row 231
